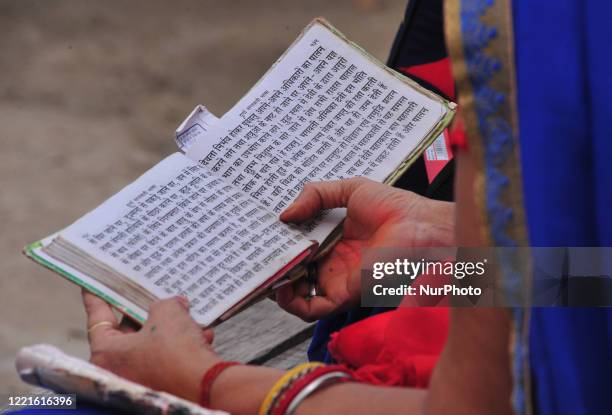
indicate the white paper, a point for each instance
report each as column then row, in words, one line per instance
column 47, row 366
column 323, row 112
column 179, row 230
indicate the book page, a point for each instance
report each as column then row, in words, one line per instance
column 325, row 111
column 179, row 230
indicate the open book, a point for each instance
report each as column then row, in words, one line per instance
column 204, row 222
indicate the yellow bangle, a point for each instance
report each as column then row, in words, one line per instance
column 282, row 382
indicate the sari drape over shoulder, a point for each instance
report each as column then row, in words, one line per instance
column 534, row 87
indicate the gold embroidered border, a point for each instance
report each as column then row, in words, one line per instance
column 501, row 47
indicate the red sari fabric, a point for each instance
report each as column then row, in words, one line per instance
column 400, row 347
column 397, row 348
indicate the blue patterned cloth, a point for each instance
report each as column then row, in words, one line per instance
column 564, row 62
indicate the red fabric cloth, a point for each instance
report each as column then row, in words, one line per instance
column 437, row 73
column 397, row 348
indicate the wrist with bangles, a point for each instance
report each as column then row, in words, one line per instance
column 289, row 391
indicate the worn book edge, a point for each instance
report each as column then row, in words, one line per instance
column 119, row 303
column 30, row 252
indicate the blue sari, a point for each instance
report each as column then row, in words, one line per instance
column 534, row 85
column 563, row 66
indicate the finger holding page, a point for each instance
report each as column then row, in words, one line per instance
column 317, row 196
column 101, row 321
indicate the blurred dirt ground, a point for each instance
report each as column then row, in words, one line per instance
column 90, row 93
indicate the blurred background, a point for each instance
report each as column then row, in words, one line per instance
column 90, row 94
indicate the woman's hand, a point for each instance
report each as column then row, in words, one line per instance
column 169, row 353
column 378, row 216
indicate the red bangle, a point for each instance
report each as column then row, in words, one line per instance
column 304, row 381
column 208, row 379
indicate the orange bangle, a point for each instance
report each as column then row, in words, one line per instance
column 208, row 379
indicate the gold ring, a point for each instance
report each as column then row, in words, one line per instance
column 100, row 324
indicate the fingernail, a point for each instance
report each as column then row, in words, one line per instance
column 287, row 211
column 184, row 301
